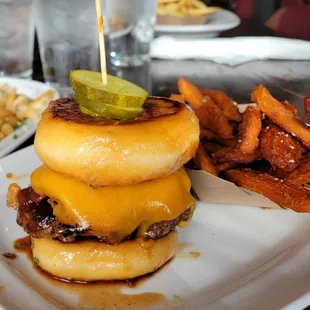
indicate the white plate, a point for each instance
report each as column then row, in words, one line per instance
column 217, row 22
column 31, row 89
column 250, row 259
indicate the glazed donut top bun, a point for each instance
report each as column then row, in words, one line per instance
column 108, row 152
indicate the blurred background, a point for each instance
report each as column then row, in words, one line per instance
column 283, row 18
column 63, row 36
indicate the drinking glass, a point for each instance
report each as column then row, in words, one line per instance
column 68, row 39
column 16, row 38
column 131, row 25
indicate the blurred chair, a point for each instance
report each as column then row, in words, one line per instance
column 253, row 15
column 286, row 18
column 292, row 20
column 256, row 9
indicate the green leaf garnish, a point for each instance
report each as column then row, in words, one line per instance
column 36, row 260
column 20, row 124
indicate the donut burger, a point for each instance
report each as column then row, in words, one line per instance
column 109, row 195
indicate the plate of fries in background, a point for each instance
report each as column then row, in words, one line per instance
column 183, row 12
column 263, row 149
column 21, row 105
column 193, row 16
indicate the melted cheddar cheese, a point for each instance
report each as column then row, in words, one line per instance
column 114, row 210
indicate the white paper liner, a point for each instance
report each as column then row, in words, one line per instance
column 210, row 188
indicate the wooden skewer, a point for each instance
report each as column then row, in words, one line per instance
column 101, row 42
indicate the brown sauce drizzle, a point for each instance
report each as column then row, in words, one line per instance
column 266, row 208
column 194, row 255
column 23, row 245
column 154, row 107
column 100, row 295
column 15, row 177
column 11, row 256
column 185, row 250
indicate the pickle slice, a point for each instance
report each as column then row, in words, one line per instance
column 118, row 92
column 106, row 111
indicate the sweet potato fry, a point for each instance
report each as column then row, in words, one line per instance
column 212, row 147
column 226, row 166
column 280, row 115
column 278, row 173
column 211, row 117
column 307, row 107
column 291, row 108
column 249, row 130
column 283, row 194
column 209, row 114
column 204, row 162
column 229, row 154
column 300, row 175
column 177, row 97
column 190, row 92
column 280, row 148
column 207, row 100
column 227, row 142
column 209, row 135
column 225, row 103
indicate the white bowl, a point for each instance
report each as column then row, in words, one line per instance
column 31, row 89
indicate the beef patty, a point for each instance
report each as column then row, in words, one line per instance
column 35, row 215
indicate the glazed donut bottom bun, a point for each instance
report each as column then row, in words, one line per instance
column 94, row 261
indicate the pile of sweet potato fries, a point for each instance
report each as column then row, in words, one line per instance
column 264, row 149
